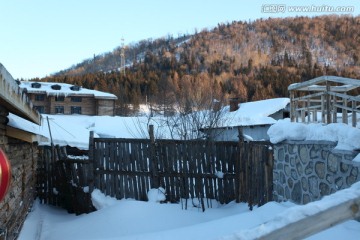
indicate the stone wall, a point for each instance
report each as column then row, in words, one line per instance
column 15, row 206
column 304, row 171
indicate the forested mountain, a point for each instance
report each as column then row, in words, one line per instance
column 250, row 60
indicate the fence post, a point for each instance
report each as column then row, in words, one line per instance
column 238, row 170
column 91, row 172
column 155, row 183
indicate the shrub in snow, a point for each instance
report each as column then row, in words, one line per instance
column 156, row 195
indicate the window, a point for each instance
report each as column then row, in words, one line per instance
column 36, row 85
column 56, row 87
column 59, row 98
column 75, row 110
column 40, row 109
column 76, row 99
column 59, row 109
column 39, row 97
column 75, row 88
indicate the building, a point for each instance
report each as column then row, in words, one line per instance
column 20, row 147
column 62, row 98
column 250, row 120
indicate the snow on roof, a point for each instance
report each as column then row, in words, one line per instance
column 74, row 130
column 22, row 124
column 254, row 113
column 51, row 88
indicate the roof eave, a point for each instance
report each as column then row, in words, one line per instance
column 13, row 99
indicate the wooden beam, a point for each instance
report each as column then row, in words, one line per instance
column 308, row 96
column 318, row 222
column 347, row 108
column 20, row 134
column 348, row 97
column 321, row 88
column 323, row 79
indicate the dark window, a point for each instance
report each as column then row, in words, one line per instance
column 40, row 97
column 75, row 88
column 40, row 109
column 59, row 98
column 76, row 99
column 56, row 87
column 75, row 110
column 36, row 85
column 59, row 109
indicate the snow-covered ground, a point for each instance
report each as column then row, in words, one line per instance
column 130, row 219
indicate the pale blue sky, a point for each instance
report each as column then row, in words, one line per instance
column 40, row 37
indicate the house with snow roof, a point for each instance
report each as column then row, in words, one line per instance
column 251, row 120
column 62, row 98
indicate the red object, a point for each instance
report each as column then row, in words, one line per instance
column 5, row 175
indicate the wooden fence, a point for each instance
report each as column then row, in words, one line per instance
column 225, row 171
column 64, row 182
column 189, row 171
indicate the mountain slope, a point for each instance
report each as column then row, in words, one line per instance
column 250, row 60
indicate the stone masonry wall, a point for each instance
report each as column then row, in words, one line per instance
column 304, row 171
column 15, row 206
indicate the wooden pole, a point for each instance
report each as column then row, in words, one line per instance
column 322, row 108
column 51, row 141
column 328, row 104
column 344, row 112
column 91, row 177
column 292, row 107
column 353, row 113
column 155, row 183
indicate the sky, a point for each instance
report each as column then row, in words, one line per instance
column 41, row 37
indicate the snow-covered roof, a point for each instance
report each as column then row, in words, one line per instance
column 74, row 130
column 56, row 89
column 254, row 113
column 64, row 127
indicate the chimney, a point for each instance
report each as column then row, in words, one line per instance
column 234, row 104
column 216, row 105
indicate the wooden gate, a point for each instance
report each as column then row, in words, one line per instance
column 64, row 182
